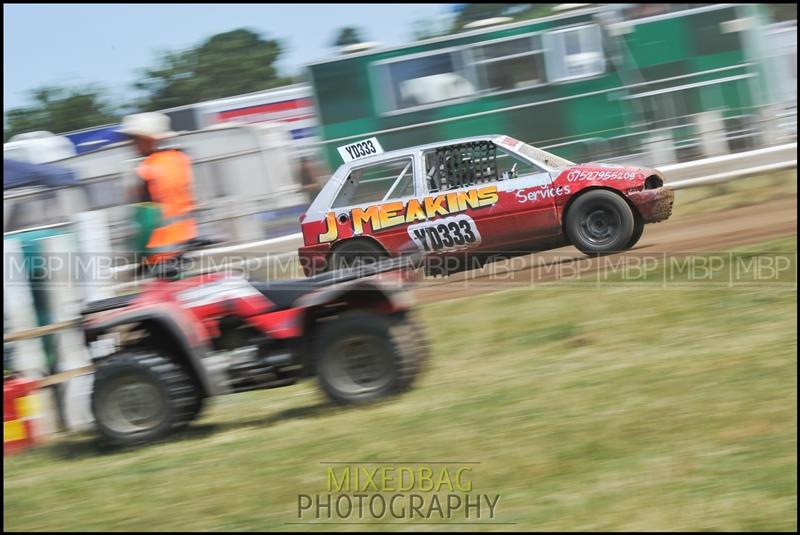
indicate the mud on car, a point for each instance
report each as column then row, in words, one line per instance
column 477, row 195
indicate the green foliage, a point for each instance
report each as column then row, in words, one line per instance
column 423, row 29
column 427, row 29
column 60, row 109
column 226, row 64
column 348, row 35
column 476, row 12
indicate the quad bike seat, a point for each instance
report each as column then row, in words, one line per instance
column 284, row 294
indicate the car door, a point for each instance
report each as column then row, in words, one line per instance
column 483, row 189
column 461, row 201
column 372, row 201
column 528, row 196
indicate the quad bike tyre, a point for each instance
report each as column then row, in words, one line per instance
column 140, row 396
column 362, row 357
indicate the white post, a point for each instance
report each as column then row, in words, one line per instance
column 65, row 303
column 660, row 150
column 711, row 128
column 95, row 256
column 19, row 313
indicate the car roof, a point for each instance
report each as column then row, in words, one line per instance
column 397, row 153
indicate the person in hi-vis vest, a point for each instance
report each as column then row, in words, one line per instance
column 164, row 190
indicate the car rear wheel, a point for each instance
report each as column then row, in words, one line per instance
column 600, row 222
column 357, row 253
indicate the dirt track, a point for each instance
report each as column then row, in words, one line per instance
column 713, row 232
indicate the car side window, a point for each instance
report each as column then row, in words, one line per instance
column 467, row 164
column 377, row 182
column 510, row 166
column 460, row 165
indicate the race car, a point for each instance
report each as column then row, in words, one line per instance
column 484, row 194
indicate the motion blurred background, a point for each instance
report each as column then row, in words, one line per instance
column 650, row 84
column 644, row 410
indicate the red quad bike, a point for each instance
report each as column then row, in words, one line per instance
column 182, row 340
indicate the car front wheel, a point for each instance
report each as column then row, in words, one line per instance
column 600, row 222
column 638, row 229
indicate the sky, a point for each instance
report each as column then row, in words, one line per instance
column 108, row 44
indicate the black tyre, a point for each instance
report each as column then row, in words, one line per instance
column 600, row 222
column 357, row 253
column 413, row 338
column 142, row 396
column 362, row 357
column 637, row 233
column 198, row 404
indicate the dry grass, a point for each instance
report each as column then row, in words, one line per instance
column 588, row 409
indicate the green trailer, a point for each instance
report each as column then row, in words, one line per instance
column 604, row 82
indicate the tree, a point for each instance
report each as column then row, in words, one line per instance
column 59, row 110
column 348, row 36
column 226, row 64
column 474, row 12
column 423, row 29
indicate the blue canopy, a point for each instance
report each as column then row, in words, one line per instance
column 18, row 174
column 95, row 138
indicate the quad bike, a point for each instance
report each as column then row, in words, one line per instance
column 159, row 354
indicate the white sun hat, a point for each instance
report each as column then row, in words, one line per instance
column 151, row 124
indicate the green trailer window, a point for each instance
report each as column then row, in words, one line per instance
column 376, row 183
column 574, row 53
column 424, row 80
column 509, row 64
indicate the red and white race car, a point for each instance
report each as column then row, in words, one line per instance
column 484, row 194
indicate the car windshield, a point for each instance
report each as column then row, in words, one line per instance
column 550, row 160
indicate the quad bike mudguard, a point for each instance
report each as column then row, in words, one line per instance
column 178, row 331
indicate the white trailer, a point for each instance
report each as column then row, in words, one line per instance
column 240, row 172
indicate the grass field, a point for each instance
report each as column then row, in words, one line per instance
column 587, row 409
column 736, row 193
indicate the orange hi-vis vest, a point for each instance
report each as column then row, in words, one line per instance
column 168, row 176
